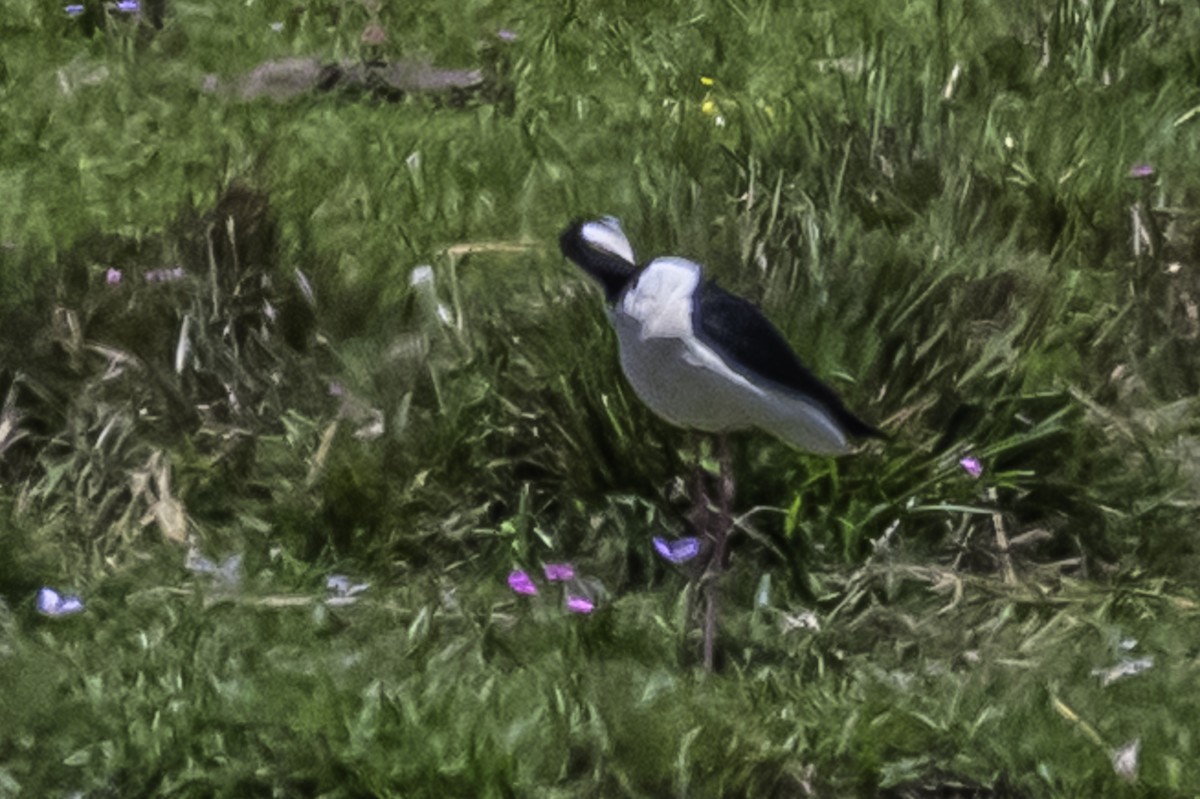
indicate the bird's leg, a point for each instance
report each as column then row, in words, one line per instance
column 700, row 512
column 716, row 564
column 699, row 518
column 725, row 491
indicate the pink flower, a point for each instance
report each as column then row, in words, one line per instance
column 971, row 466
column 112, row 277
column 559, row 572
column 580, row 604
column 522, row 583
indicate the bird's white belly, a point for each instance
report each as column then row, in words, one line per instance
column 674, row 382
column 688, row 384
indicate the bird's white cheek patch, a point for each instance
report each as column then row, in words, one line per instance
column 606, row 235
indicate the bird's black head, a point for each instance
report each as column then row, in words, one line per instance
column 600, row 248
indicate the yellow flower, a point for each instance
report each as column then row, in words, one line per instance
column 709, row 108
column 707, row 81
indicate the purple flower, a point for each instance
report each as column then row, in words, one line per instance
column 507, row 35
column 559, row 572
column 1141, row 171
column 971, row 466
column 74, row 11
column 52, row 603
column 580, row 604
column 129, row 6
column 680, row 550
column 113, row 276
column 522, row 583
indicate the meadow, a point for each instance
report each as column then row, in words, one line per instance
column 288, row 474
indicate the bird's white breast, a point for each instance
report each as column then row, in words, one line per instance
column 660, row 299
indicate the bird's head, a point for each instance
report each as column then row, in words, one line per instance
column 600, row 248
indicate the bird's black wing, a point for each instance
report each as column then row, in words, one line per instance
column 750, row 344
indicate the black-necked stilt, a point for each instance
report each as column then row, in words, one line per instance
column 704, row 359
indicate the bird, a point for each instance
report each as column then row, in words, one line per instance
column 704, row 359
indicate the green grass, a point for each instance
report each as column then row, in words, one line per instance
column 955, row 254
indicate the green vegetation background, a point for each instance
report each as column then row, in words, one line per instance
column 933, row 200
